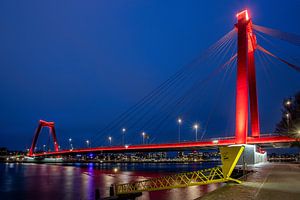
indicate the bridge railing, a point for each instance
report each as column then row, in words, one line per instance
column 201, row 177
column 229, row 157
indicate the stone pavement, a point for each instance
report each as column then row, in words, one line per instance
column 272, row 181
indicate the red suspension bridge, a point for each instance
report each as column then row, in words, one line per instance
column 246, row 98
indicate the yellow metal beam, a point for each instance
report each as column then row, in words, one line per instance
column 229, row 157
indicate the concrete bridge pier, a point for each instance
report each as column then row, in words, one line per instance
column 252, row 155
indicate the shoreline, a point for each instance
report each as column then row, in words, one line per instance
column 113, row 162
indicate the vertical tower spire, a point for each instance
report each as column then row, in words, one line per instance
column 246, row 79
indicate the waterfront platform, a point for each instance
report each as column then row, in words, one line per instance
column 269, row 181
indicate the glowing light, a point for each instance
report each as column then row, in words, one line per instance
column 126, row 146
column 123, row 130
column 143, row 134
column 179, row 120
column 70, row 139
column 287, row 115
column 109, row 138
column 196, row 126
column 288, row 102
column 243, row 14
column 115, row 169
column 215, row 141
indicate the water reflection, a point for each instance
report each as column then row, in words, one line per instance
column 79, row 181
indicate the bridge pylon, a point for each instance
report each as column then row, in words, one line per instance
column 246, row 90
column 42, row 124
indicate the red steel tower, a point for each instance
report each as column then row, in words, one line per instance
column 42, row 124
column 246, row 80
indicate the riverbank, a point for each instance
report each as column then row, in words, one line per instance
column 274, row 181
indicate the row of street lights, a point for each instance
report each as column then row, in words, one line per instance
column 288, row 103
column 179, row 121
column 287, row 115
column 144, row 135
column 195, row 126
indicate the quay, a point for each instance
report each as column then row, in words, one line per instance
column 269, row 181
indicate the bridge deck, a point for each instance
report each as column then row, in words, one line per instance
column 209, row 144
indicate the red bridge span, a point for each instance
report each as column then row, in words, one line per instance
column 246, row 107
column 266, row 142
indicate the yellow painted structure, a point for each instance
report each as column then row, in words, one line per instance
column 229, row 156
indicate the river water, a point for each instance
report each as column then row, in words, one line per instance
column 78, row 181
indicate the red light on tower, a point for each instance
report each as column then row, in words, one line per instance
column 243, row 15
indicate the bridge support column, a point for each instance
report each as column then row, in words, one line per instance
column 246, row 80
column 241, row 116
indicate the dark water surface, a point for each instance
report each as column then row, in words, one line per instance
column 79, row 181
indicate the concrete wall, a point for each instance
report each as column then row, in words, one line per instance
column 250, row 156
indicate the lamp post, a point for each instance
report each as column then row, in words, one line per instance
column 87, row 143
column 179, row 121
column 288, row 121
column 143, row 136
column 123, row 135
column 109, row 140
column 196, row 126
column 70, row 142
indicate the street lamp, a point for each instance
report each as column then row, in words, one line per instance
column 70, row 142
column 87, row 143
column 288, row 102
column 123, row 135
column 143, row 135
column 288, row 121
column 179, row 121
column 109, row 140
column 196, row 126
column 44, row 146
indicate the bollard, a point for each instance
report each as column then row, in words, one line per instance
column 112, row 190
column 97, row 194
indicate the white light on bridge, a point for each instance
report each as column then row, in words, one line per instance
column 215, row 141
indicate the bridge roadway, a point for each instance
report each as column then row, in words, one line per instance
column 266, row 141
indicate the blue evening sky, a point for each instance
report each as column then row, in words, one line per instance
column 81, row 63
